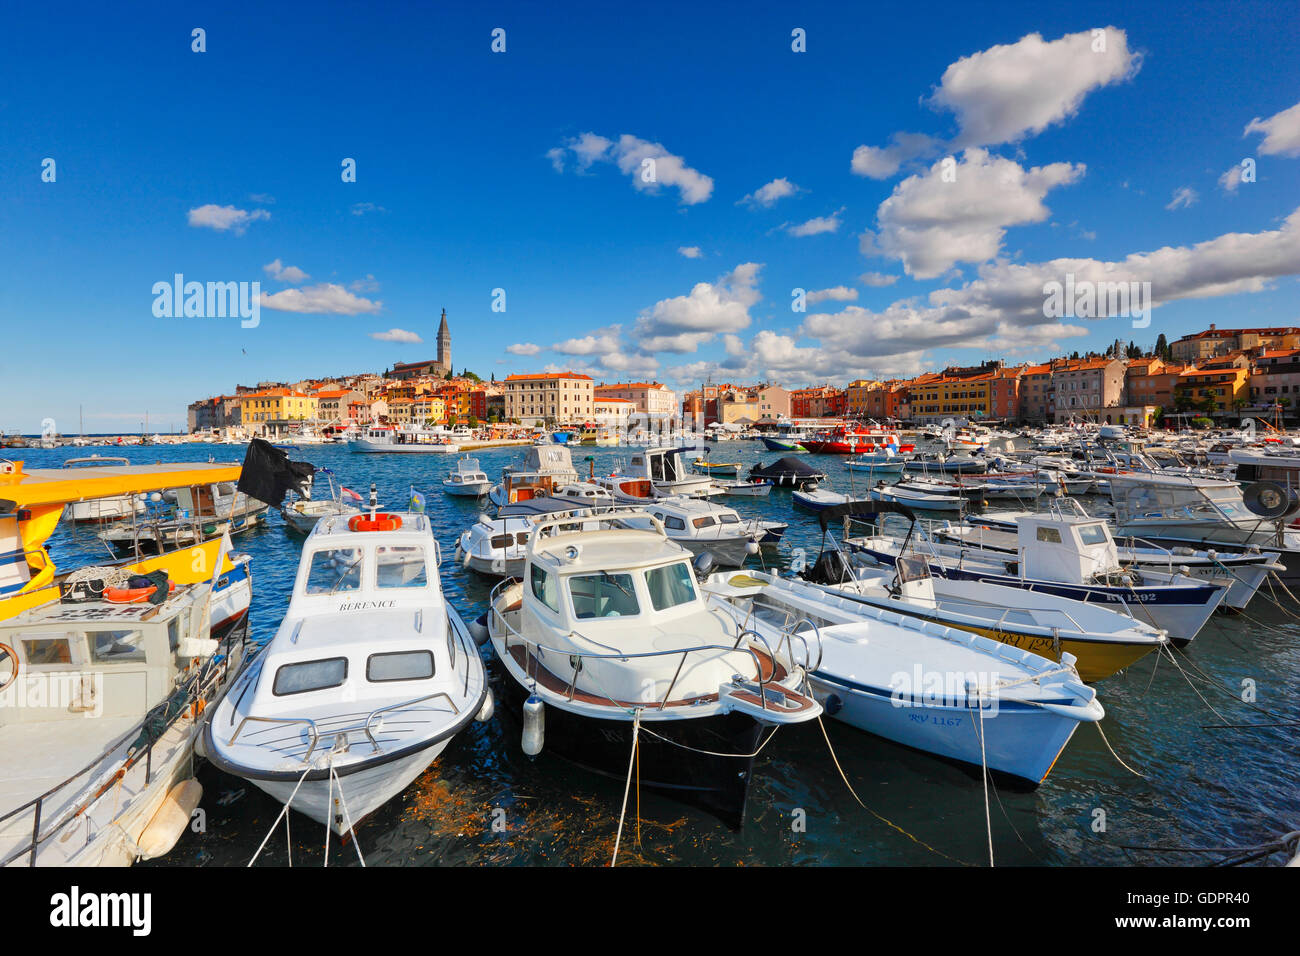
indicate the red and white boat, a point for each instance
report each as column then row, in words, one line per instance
column 846, row 440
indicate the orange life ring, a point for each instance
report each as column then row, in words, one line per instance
column 133, row 595
column 380, row 522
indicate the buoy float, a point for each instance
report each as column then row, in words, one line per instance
column 134, row 595
column 171, row 820
column 380, row 522
column 534, row 736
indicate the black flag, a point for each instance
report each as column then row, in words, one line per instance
column 268, row 473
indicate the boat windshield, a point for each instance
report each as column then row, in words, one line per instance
column 670, row 586
column 334, row 569
column 603, row 595
column 401, row 567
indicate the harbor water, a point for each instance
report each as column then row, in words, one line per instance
column 1211, row 768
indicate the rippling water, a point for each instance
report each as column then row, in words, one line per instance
column 483, row 801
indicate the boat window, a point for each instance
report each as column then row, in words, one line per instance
column 310, row 675
column 603, row 595
column 674, row 524
column 670, row 586
column 334, row 569
column 1050, row 535
column 521, row 538
column 174, row 633
column 47, row 651
column 704, row 522
column 1093, row 533
column 729, row 519
column 399, row 665
column 116, row 647
column 500, row 541
column 401, row 567
column 544, row 587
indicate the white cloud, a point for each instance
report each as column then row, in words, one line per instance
column 1010, row 90
column 225, row 218
column 1281, row 132
column 817, row 225
column 1183, row 197
column 649, row 164
column 361, row 208
column 523, row 348
column 1231, row 179
column 629, row 363
column 931, row 224
column 839, row 293
column 327, row 298
column 690, row 252
column 877, row 280
column 877, row 162
column 283, row 273
column 368, row 284
column 684, row 322
column 767, row 196
column 600, row 342
column 998, row 313
column 397, row 335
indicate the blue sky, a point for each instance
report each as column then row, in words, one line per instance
column 521, row 171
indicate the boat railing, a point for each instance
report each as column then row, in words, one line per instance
column 200, row 687
column 555, row 527
column 513, row 637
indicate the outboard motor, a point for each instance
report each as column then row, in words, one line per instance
column 703, row 564
column 831, row 567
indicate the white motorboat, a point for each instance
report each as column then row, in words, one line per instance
column 608, row 641
column 100, row 510
column 667, row 472
column 919, row 683
column 814, row 498
column 1202, row 513
column 301, row 515
column 367, row 680
column 751, row 488
column 1103, row 641
column 703, row 526
column 902, row 494
column 467, row 479
column 1069, row 556
column 1241, row 572
column 585, row 493
column 404, row 439
column 496, row 547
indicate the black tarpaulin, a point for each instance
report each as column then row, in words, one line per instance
column 268, row 473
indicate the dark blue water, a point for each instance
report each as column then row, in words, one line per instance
column 483, row 801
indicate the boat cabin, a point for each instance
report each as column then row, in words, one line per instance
column 1066, row 549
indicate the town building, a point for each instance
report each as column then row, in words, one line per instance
column 554, row 397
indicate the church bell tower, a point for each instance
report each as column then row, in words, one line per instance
column 444, row 343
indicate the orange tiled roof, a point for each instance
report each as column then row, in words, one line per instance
column 546, row 375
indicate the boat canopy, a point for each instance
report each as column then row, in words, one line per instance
column 862, row 511
column 788, row 465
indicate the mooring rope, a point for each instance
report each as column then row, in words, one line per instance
column 884, row 820
column 284, row 811
column 631, row 761
column 347, row 817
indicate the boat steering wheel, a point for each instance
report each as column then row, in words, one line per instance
column 7, row 655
